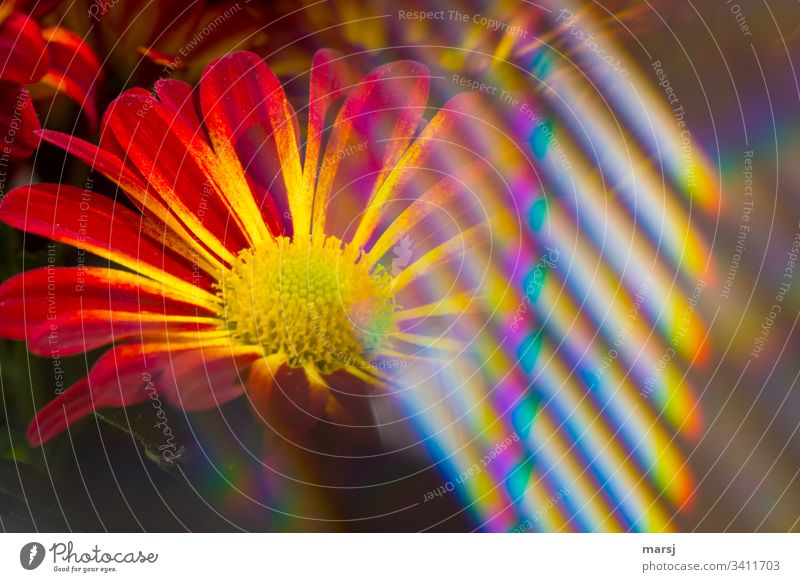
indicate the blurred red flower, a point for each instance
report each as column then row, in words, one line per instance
column 53, row 56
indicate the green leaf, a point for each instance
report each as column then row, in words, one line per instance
column 160, row 443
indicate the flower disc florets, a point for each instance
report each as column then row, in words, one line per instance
column 314, row 303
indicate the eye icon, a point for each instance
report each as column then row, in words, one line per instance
column 31, row 555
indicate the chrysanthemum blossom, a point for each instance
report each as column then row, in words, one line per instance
column 250, row 257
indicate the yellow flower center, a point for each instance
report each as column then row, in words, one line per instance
column 316, row 304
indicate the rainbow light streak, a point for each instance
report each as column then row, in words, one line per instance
column 605, row 460
column 634, row 100
column 666, row 469
column 605, row 429
column 616, row 398
column 583, row 208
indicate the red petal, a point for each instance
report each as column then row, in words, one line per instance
column 72, row 405
column 134, row 373
column 36, row 296
column 252, row 127
column 75, row 332
column 455, row 139
column 373, row 128
column 108, row 141
column 104, row 160
column 117, row 379
column 178, row 99
column 331, row 78
column 180, row 166
column 73, row 70
column 206, row 377
column 98, row 225
column 134, row 185
column 26, row 57
column 18, row 121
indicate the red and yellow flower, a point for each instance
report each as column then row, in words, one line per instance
column 245, row 261
column 53, row 56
